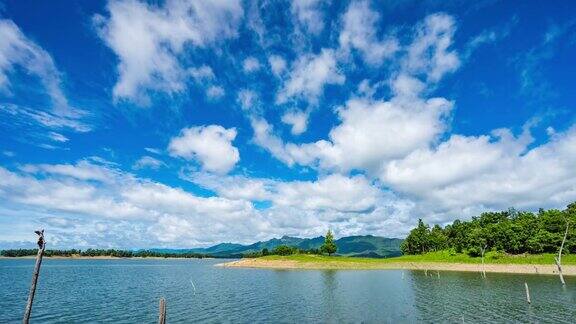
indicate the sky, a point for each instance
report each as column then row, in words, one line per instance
column 133, row 124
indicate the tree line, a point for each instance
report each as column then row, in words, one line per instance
column 101, row 252
column 328, row 247
column 511, row 231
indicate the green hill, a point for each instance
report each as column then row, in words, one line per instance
column 356, row 246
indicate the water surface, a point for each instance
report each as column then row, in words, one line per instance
column 128, row 290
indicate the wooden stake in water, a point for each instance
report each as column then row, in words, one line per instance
column 41, row 247
column 527, row 293
column 162, row 315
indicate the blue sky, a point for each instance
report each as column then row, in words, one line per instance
column 174, row 123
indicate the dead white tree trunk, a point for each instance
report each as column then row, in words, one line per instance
column 558, row 259
column 483, row 250
column 41, row 247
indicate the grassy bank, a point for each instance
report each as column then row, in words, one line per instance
column 442, row 256
column 441, row 261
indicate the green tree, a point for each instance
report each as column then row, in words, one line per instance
column 284, row 250
column 437, row 239
column 418, row 240
column 329, row 246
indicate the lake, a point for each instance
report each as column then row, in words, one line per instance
column 128, row 291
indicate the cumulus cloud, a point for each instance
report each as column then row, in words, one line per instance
column 210, row 145
column 309, row 75
column 370, row 133
column 499, row 170
column 251, row 64
column 277, row 64
column 149, row 39
column 298, row 121
column 150, row 208
column 248, row 100
column 129, row 212
column 359, row 32
column 373, row 131
column 335, row 192
column 430, row 53
column 308, row 13
column 202, row 73
column 215, row 92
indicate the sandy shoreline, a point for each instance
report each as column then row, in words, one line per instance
column 568, row 270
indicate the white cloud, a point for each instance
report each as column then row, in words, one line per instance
column 78, row 210
column 359, row 32
column 215, row 92
column 298, row 121
column 147, row 210
column 248, row 100
column 153, row 150
column 148, row 162
column 210, row 145
column 202, row 73
column 57, row 137
column 277, row 64
column 370, row 133
column 309, row 75
column 335, row 192
column 82, row 170
column 309, row 14
column 430, row 53
column 373, row 132
column 488, row 172
column 234, row 187
column 251, row 64
column 19, row 52
column 149, row 39
column 264, row 137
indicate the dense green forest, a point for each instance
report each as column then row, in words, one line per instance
column 100, row 252
column 511, row 231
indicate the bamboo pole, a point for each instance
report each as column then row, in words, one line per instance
column 41, row 248
column 527, row 292
column 162, row 311
column 558, row 259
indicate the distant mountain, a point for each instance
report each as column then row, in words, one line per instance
column 357, row 246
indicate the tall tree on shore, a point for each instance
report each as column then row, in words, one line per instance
column 329, row 246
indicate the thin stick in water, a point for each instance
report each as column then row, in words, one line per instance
column 527, row 293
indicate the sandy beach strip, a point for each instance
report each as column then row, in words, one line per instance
column 568, row 270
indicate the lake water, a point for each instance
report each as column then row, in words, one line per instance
column 128, row 291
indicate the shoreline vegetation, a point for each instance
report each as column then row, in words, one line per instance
column 433, row 261
column 99, row 254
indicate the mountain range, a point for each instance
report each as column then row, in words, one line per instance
column 356, row 246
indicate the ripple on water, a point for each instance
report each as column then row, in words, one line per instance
column 128, row 291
